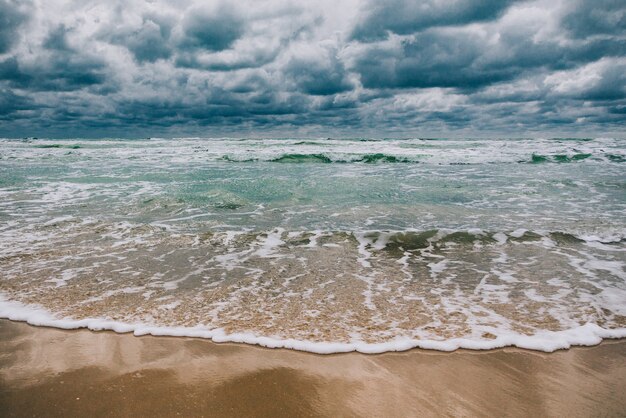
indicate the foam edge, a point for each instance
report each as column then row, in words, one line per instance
column 546, row 341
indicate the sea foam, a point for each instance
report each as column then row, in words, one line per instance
column 546, row 341
column 319, row 244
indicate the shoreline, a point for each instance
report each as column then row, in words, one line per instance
column 586, row 335
column 53, row 372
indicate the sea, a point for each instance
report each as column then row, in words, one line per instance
column 319, row 244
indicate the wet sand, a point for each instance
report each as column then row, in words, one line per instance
column 50, row 372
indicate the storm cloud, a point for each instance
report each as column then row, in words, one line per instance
column 333, row 68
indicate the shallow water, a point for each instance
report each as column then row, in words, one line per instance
column 319, row 244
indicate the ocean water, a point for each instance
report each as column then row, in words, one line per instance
column 322, row 245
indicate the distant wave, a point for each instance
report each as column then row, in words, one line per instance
column 69, row 146
column 374, row 158
column 303, row 158
column 322, row 158
column 558, row 158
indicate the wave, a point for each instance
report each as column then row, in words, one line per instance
column 558, row 158
column 322, row 158
column 616, row 158
column 571, row 139
column 547, row 341
column 302, row 158
column 367, row 291
column 383, row 158
column 386, row 158
column 67, row 146
column 342, row 151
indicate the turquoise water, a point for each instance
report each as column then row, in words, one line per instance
column 494, row 185
column 319, row 240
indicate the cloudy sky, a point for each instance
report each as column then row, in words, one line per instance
column 324, row 68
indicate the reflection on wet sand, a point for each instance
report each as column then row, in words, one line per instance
column 49, row 372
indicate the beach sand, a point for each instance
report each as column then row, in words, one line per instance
column 50, row 372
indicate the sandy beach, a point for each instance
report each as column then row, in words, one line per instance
column 289, row 208
column 50, row 372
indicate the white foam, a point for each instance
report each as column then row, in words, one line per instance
column 438, row 267
column 271, row 243
column 613, row 300
column 500, row 237
column 518, row 233
column 585, row 335
column 171, row 306
column 364, row 242
column 58, row 220
column 604, row 237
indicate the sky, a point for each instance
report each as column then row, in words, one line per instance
column 338, row 68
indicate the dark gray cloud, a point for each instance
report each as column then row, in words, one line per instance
column 11, row 74
column 349, row 67
column 59, row 67
column 149, row 42
column 432, row 60
column 57, row 40
column 12, row 14
column 469, row 60
column 244, row 40
column 214, row 30
column 406, row 17
column 321, row 74
column 600, row 17
column 11, row 104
